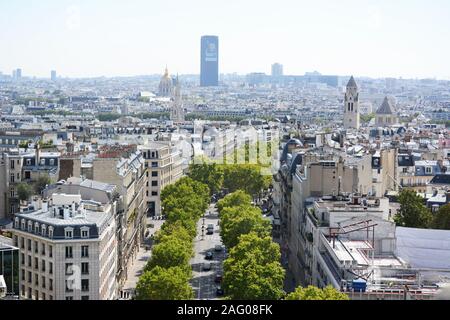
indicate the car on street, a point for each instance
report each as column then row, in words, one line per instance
column 209, row 232
column 218, row 248
column 219, row 291
column 210, row 226
column 209, row 255
column 207, row 267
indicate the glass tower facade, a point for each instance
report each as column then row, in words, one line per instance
column 9, row 268
column 209, row 73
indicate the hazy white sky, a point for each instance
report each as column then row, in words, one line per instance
column 378, row 38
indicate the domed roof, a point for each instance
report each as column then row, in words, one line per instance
column 166, row 77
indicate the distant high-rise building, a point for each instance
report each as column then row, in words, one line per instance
column 209, row 74
column 19, row 73
column 177, row 111
column 277, row 70
column 53, row 75
column 351, row 106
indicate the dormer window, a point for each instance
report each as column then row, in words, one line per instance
column 43, row 162
column 36, row 228
column 85, row 232
column 43, row 230
column 68, row 233
column 52, row 162
column 28, row 162
column 30, row 226
column 16, row 223
column 23, row 224
column 50, row 232
column 428, row 170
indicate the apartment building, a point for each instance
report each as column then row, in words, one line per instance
column 18, row 166
column 68, row 246
column 164, row 165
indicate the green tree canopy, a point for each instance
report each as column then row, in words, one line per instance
column 164, row 284
column 209, row 174
column 172, row 252
column 441, row 220
column 245, row 177
column 412, row 213
column 24, row 191
column 237, row 198
column 253, row 271
column 314, row 293
column 240, row 220
column 177, row 230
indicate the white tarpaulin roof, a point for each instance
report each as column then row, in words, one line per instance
column 423, row 248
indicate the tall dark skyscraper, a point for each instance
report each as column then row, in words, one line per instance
column 209, row 74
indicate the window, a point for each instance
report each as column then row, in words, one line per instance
column 50, row 267
column 28, row 162
column 16, row 241
column 154, row 193
column 30, row 226
column 30, row 296
column 52, row 162
column 36, row 228
column 405, row 170
column 12, row 178
column 154, row 183
column 84, row 251
column 154, row 173
column 43, row 230
column 36, row 247
column 50, row 286
column 50, row 251
column 27, row 175
column 36, row 279
column 50, row 297
column 16, row 223
column 42, row 162
column 68, row 232
column 36, row 263
column 69, row 298
column 428, row 170
column 69, row 285
column 84, row 268
column 22, row 243
column 84, row 285
column 12, row 193
column 43, row 265
column 36, row 295
column 50, row 232
column 29, row 244
column 69, row 269
column 22, row 259
column 43, row 295
column 84, row 232
column 29, row 261
column 69, row 254
column 12, row 163
column 43, row 249
column 30, row 277
column 23, row 275
column 43, row 282
column 84, row 297
column 154, row 164
column 23, row 224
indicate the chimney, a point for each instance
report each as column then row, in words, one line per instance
column 38, row 154
column 44, row 206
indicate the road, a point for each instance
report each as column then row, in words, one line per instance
column 203, row 281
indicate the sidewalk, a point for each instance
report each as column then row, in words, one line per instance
column 141, row 259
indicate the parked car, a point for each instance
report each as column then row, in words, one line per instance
column 218, row 278
column 210, row 226
column 207, row 267
column 209, row 255
column 219, row 291
column 218, row 248
column 210, row 232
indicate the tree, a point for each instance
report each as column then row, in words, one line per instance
column 24, row 191
column 41, row 183
column 314, row 293
column 209, row 174
column 237, row 221
column 164, row 284
column 253, row 270
column 234, row 199
column 412, row 213
column 176, row 230
column 441, row 220
column 172, row 252
column 245, row 177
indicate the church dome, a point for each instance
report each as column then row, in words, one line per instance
column 166, row 85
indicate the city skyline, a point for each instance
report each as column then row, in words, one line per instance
column 84, row 39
